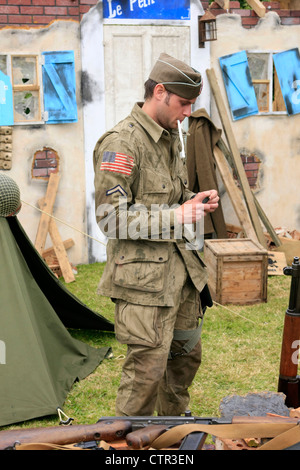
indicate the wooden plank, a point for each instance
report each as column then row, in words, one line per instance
column 234, row 194
column 60, row 250
column 267, row 223
column 260, row 210
column 258, row 7
column 236, row 157
column 50, row 251
column 47, row 207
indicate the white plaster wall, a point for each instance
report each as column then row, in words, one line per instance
column 274, row 138
column 94, row 116
column 66, row 139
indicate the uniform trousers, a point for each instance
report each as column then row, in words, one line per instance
column 157, row 373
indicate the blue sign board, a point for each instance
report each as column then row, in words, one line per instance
column 147, row 9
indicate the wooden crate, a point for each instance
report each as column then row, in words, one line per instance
column 237, row 269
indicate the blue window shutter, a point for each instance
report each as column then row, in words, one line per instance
column 6, row 101
column 287, row 66
column 59, row 87
column 238, row 84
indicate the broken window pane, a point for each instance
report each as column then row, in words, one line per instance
column 258, row 64
column 259, row 70
column 24, row 70
column 26, row 105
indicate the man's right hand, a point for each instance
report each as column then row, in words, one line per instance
column 194, row 209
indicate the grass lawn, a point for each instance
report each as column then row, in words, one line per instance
column 241, row 352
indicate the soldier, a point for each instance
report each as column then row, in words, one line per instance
column 152, row 274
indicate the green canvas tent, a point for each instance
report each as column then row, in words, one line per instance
column 39, row 359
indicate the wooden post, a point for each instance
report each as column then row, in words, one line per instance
column 48, row 204
column 234, row 194
column 47, row 224
column 236, row 157
column 258, row 7
column 59, row 249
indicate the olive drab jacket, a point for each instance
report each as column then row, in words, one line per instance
column 139, row 180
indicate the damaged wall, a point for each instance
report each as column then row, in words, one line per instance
column 62, row 144
column 272, row 138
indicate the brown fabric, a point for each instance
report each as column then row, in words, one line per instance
column 201, row 140
column 177, row 77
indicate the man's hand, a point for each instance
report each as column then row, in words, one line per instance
column 194, row 209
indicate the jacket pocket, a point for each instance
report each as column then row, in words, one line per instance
column 144, row 269
column 155, row 187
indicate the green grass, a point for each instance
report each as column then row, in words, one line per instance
column 241, row 352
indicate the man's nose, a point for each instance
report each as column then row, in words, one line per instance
column 187, row 110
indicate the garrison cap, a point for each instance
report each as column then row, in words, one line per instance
column 177, row 77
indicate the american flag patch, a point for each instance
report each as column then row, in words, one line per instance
column 117, row 162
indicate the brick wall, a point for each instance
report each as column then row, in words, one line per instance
column 41, row 12
column 45, row 162
column 32, row 13
column 250, row 18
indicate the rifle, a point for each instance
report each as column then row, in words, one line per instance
column 145, row 429
column 107, row 430
column 289, row 381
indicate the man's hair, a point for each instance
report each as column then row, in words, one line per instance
column 149, row 86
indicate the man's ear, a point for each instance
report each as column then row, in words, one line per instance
column 159, row 92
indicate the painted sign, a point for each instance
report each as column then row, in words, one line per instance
column 147, row 9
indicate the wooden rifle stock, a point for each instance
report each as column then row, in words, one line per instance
column 143, row 437
column 108, row 431
column 289, row 381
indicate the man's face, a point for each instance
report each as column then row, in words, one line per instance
column 173, row 108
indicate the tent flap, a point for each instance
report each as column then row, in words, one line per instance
column 40, row 360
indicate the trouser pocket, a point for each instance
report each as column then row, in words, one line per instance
column 138, row 324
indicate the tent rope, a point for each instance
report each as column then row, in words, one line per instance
column 65, row 223
column 105, row 244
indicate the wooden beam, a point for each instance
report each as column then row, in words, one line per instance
column 234, row 194
column 239, row 167
column 59, row 249
column 50, row 251
column 221, row 144
column 258, row 7
column 47, row 207
column 267, row 223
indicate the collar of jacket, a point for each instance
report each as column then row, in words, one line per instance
column 150, row 126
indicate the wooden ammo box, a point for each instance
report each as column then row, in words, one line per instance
column 237, row 269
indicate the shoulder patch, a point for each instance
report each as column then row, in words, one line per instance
column 117, row 162
column 116, row 189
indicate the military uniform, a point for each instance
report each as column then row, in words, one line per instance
column 151, row 274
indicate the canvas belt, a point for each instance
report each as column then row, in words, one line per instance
column 281, row 435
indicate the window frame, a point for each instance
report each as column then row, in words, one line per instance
column 38, row 86
column 62, row 80
column 269, row 81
